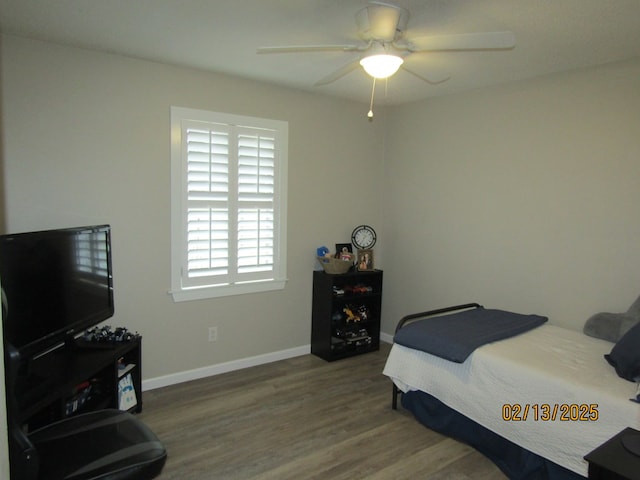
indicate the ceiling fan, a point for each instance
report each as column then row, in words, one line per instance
column 381, row 26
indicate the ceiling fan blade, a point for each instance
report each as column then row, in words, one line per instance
column 309, row 48
column 432, row 79
column 464, row 41
column 341, row 72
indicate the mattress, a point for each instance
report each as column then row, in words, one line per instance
column 548, row 390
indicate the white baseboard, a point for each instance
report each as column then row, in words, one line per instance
column 195, row 374
column 385, row 337
column 225, row 367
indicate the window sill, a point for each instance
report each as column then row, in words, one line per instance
column 202, row 293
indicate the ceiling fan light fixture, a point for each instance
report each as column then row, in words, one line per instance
column 381, row 65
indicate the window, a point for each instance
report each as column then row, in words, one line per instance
column 228, row 204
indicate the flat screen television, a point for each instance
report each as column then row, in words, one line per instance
column 55, row 285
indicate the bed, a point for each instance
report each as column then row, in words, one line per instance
column 535, row 402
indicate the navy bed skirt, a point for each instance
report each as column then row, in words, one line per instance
column 516, row 462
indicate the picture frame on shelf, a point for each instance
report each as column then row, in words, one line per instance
column 365, row 260
column 344, row 251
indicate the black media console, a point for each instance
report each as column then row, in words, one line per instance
column 78, row 378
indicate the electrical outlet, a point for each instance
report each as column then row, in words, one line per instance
column 213, row 334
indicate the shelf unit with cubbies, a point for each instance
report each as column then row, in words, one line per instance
column 346, row 313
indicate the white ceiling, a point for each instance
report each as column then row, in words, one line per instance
column 223, row 35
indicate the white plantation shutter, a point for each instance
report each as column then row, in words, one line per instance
column 232, row 207
column 256, row 170
column 207, row 158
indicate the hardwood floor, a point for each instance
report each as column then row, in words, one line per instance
column 302, row 418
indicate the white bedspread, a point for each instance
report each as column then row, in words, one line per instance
column 548, row 365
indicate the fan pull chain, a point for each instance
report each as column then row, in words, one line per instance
column 373, row 91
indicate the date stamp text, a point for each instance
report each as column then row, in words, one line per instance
column 544, row 412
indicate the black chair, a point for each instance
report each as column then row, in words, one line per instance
column 102, row 445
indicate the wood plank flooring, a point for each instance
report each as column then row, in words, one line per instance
column 302, row 418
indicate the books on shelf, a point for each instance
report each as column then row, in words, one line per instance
column 124, row 369
column 126, row 392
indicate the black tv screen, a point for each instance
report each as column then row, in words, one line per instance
column 55, row 285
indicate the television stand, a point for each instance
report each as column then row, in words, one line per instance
column 82, row 344
column 76, row 379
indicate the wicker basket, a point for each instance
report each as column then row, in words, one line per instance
column 335, row 265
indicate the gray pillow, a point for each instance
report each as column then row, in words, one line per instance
column 612, row 326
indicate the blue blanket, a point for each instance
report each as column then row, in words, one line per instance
column 455, row 336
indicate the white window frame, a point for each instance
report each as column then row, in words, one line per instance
column 181, row 290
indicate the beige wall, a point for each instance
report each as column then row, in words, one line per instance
column 522, row 196
column 87, row 141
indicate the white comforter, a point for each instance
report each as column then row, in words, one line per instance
column 546, row 366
